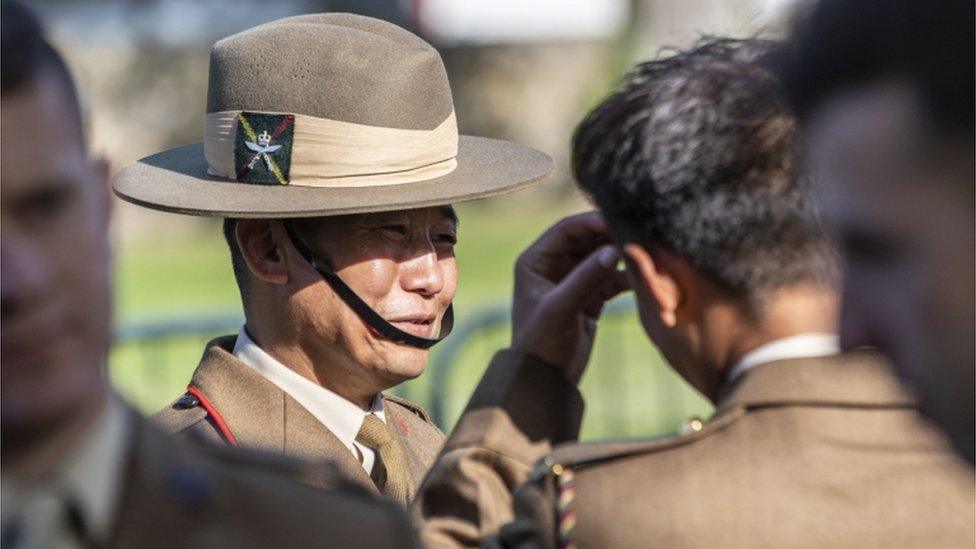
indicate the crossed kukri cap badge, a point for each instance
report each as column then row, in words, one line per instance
column 263, row 157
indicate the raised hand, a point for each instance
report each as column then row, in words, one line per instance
column 561, row 284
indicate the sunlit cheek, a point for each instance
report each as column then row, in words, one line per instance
column 373, row 280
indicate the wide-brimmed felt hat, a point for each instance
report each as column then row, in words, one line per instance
column 327, row 114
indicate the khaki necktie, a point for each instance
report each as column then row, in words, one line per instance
column 390, row 471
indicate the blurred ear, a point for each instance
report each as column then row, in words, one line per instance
column 655, row 279
column 261, row 250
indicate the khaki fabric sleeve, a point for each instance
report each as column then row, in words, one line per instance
column 520, row 409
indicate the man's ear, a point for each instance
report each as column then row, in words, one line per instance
column 655, row 278
column 262, row 250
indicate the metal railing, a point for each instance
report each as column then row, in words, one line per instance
column 491, row 317
column 629, row 389
column 188, row 324
column 152, row 358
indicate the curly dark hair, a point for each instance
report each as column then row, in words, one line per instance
column 236, row 258
column 696, row 152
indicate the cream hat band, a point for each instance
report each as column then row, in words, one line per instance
column 269, row 148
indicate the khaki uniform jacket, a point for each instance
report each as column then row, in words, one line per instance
column 261, row 415
column 179, row 494
column 802, row 453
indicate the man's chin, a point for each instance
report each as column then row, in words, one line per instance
column 402, row 365
column 398, row 374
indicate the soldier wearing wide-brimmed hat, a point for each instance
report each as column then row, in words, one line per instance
column 331, row 149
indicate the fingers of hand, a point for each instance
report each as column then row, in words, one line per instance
column 591, row 282
column 573, row 228
column 613, row 286
column 558, row 250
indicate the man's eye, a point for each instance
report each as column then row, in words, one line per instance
column 395, row 229
column 44, row 204
column 446, row 238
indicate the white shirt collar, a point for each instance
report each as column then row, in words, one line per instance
column 339, row 415
column 97, row 470
column 809, row 345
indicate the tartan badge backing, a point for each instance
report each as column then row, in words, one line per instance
column 262, row 147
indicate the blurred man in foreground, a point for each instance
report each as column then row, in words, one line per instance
column 692, row 166
column 884, row 91
column 81, row 469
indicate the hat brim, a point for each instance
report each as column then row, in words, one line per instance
column 176, row 180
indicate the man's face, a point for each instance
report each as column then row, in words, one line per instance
column 401, row 264
column 905, row 216
column 55, row 256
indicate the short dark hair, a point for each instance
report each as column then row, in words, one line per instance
column 25, row 54
column 696, row 153
column 839, row 44
column 236, row 258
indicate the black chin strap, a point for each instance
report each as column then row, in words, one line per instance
column 365, row 312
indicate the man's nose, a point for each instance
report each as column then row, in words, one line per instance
column 422, row 274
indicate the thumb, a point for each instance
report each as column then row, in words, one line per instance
column 577, row 289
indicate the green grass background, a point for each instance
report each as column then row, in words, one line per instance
column 629, row 390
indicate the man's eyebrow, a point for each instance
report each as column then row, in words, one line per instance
column 53, row 180
column 45, row 194
column 45, row 185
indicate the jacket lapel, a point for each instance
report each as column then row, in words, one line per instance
column 305, row 436
column 261, row 415
column 251, row 406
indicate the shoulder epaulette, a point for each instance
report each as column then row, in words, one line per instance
column 181, row 414
column 582, row 455
column 556, row 471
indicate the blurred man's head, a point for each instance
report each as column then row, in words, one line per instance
column 401, row 263
column 55, row 256
column 692, row 164
column 884, row 92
